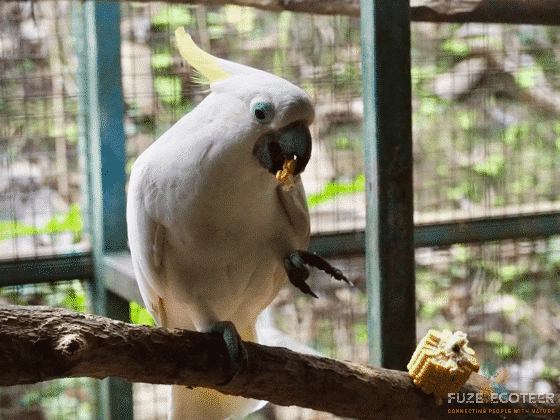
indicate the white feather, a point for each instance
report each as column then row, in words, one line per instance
column 209, row 227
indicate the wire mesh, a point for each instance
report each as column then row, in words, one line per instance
column 486, row 102
column 485, row 108
column 40, row 175
column 61, row 399
column 40, row 182
column 505, row 296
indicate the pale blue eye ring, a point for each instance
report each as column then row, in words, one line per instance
column 263, row 111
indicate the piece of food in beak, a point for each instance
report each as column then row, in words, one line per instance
column 286, row 174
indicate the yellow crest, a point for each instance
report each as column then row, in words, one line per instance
column 206, row 64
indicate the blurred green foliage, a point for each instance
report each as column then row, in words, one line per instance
column 333, row 190
column 68, row 222
column 172, row 16
column 168, row 89
column 64, row 399
column 139, row 315
column 60, row 399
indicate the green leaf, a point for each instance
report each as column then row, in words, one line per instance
column 168, row 89
column 491, row 167
column 172, row 17
column 342, row 143
column 466, row 120
column 14, row 229
column 550, row 373
column 527, row 77
column 516, row 133
column 69, row 222
column 161, row 61
column 139, row 315
column 333, row 189
column 509, row 272
column 361, row 334
column 75, row 297
column 455, row 47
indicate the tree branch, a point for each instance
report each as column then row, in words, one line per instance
column 534, row 12
column 537, row 12
column 320, row 7
column 43, row 343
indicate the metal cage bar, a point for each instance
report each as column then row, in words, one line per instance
column 105, row 159
column 388, row 154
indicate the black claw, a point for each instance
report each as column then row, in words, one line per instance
column 314, row 260
column 237, row 357
column 298, row 272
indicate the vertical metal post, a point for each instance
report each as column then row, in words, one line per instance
column 106, row 136
column 119, row 391
column 388, row 162
column 105, row 159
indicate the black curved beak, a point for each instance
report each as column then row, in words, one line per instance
column 272, row 149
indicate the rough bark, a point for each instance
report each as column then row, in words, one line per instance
column 321, row 7
column 537, row 12
column 43, row 343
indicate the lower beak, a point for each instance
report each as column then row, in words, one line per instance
column 292, row 143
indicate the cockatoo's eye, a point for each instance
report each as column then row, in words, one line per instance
column 263, row 111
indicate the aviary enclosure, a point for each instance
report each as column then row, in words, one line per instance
column 486, row 170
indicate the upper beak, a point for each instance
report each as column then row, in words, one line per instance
column 274, row 148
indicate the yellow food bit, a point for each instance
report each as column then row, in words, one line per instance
column 442, row 363
column 286, row 174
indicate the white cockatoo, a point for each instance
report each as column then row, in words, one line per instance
column 212, row 231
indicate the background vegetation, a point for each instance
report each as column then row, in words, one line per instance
column 486, row 100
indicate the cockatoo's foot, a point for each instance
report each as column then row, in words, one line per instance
column 295, row 265
column 237, row 357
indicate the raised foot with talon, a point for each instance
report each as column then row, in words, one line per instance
column 295, row 265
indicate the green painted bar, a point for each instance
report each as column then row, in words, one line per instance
column 119, row 391
column 106, row 159
column 527, row 226
column 338, row 243
column 106, row 125
column 514, row 227
column 46, row 269
column 518, row 12
column 389, row 235
column 80, row 266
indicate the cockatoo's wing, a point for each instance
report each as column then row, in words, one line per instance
column 294, row 205
column 146, row 247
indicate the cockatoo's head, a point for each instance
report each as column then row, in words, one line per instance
column 278, row 111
